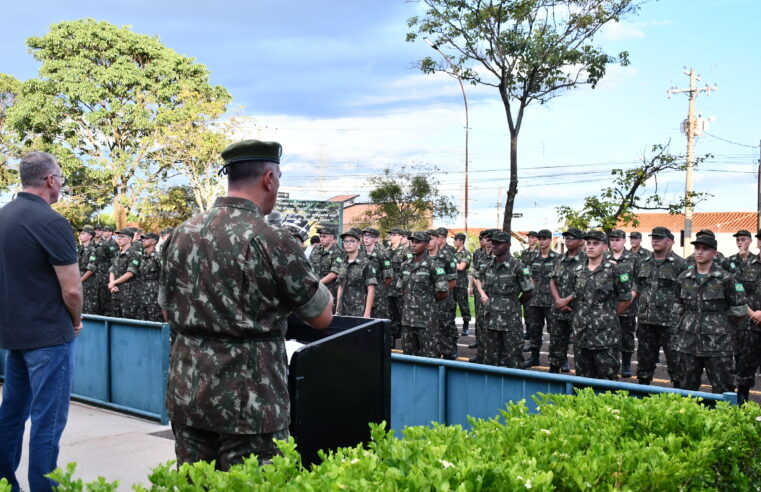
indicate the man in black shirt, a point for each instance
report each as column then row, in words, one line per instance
column 40, row 314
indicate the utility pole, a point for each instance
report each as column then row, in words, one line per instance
column 690, row 128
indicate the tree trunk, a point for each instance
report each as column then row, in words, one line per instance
column 512, row 190
column 120, row 213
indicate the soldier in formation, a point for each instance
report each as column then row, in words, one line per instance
column 463, row 259
column 122, row 278
column 539, row 311
column 356, row 279
column 445, row 307
column 627, row 261
column 148, row 277
column 383, row 271
column 398, row 253
column 326, row 259
column 87, row 267
column 481, row 256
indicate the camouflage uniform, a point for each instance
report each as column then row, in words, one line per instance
column 126, row 302
column 596, row 332
column 323, row 260
column 461, row 287
column 395, row 298
column 540, row 306
column 88, row 257
column 150, row 271
column 382, row 265
column 628, row 320
column 703, row 334
column 480, row 258
column 641, row 254
column 420, row 282
column 355, row 277
column 106, row 252
column 748, row 273
column 502, row 283
column 560, row 329
column 229, row 283
column 446, row 308
column 528, row 255
column 655, row 284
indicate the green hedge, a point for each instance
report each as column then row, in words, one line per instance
column 583, row 442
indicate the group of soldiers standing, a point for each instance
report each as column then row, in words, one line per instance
column 120, row 272
column 703, row 311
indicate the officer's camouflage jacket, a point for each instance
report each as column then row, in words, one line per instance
column 419, row 284
column 229, row 283
column 503, row 283
column 355, row 276
column 703, row 307
column 655, row 284
column 597, row 293
column 565, row 280
column 541, row 270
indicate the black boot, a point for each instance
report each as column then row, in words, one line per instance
column 527, row 348
column 743, row 394
column 643, row 381
column 565, row 367
column 453, row 355
column 533, row 360
column 554, row 369
column 626, row 364
column 465, row 331
column 473, row 345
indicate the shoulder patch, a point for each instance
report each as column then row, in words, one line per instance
column 526, row 271
column 439, row 271
column 92, row 258
column 339, row 259
column 739, row 287
column 135, row 262
column 624, row 277
column 386, row 263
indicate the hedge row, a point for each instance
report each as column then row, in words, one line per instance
column 582, row 442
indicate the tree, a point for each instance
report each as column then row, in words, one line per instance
column 529, row 50
column 107, row 98
column 9, row 87
column 167, row 209
column 407, row 200
column 631, row 191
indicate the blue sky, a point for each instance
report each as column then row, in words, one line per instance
column 333, row 81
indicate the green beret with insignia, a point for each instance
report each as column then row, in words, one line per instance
column 251, row 150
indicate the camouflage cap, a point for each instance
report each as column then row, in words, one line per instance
column 661, row 232
column 500, row 237
column 353, row 232
column 705, row 232
column 168, row 230
column 544, row 233
column 705, row 240
column 532, row 234
column 432, row 232
column 443, row 231
column 150, row 235
column 88, row 229
column 275, row 218
column 406, row 232
column 97, row 227
column 252, row 150
column 617, row 233
column 595, row 234
column 635, row 235
column 108, row 228
column 460, row 236
column 491, row 232
column 326, row 230
column 742, row 233
column 574, row 233
column 420, row 236
column 127, row 231
column 396, row 230
column 371, row 231
column 483, row 234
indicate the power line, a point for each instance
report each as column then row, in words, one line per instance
column 729, row 141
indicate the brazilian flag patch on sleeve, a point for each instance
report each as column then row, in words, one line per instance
column 135, row 262
column 624, row 277
column 386, row 263
column 439, row 271
column 739, row 287
column 339, row 260
column 92, row 258
column 526, row 271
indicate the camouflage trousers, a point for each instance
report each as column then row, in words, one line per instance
column 536, row 317
column 192, row 444
column 105, row 301
column 152, row 312
column 480, row 329
column 461, row 300
column 126, row 303
column 560, row 337
column 750, row 359
column 395, row 307
column 91, row 296
column 628, row 327
column 447, row 332
column 504, row 348
column 718, row 369
column 650, row 339
column 597, row 363
column 420, row 341
column 739, row 336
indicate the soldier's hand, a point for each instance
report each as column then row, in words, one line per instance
column 114, row 289
column 484, row 298
column 756, row 317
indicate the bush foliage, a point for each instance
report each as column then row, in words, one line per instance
column 582, row 442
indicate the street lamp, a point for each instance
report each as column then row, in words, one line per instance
column 465, row 100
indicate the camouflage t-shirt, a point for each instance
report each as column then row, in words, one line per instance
column 503, row 283
column 655, row 284
column 229, row 283
column 419, row 284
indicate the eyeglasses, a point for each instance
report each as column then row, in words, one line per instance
column 59, row 176
column 350, row 241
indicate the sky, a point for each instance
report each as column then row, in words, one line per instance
column 334, row 83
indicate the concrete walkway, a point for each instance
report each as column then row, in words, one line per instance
column 108, row 444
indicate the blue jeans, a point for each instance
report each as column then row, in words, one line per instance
column 37, row 384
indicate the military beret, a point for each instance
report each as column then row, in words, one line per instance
column 617, row 233
column 372, row 231
column 150, row 235
column 443, row 231
column 705, row 232
column 89, row 230
column 500, row 237
column 661, row 232
column 705, row 240
column 127, row 231
column 396, row 230
column 420, row 236
column 460, row 236
column 573, row 232
column 252, row 150
column 595, row 234
column 742, row 233
column 532, row 233
column 326, row 230
column 108, row 228
column 635, row 235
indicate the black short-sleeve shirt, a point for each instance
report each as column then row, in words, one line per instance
column 33, row 239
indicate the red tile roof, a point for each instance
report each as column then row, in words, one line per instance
column 718, row 222
column 342, row 198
